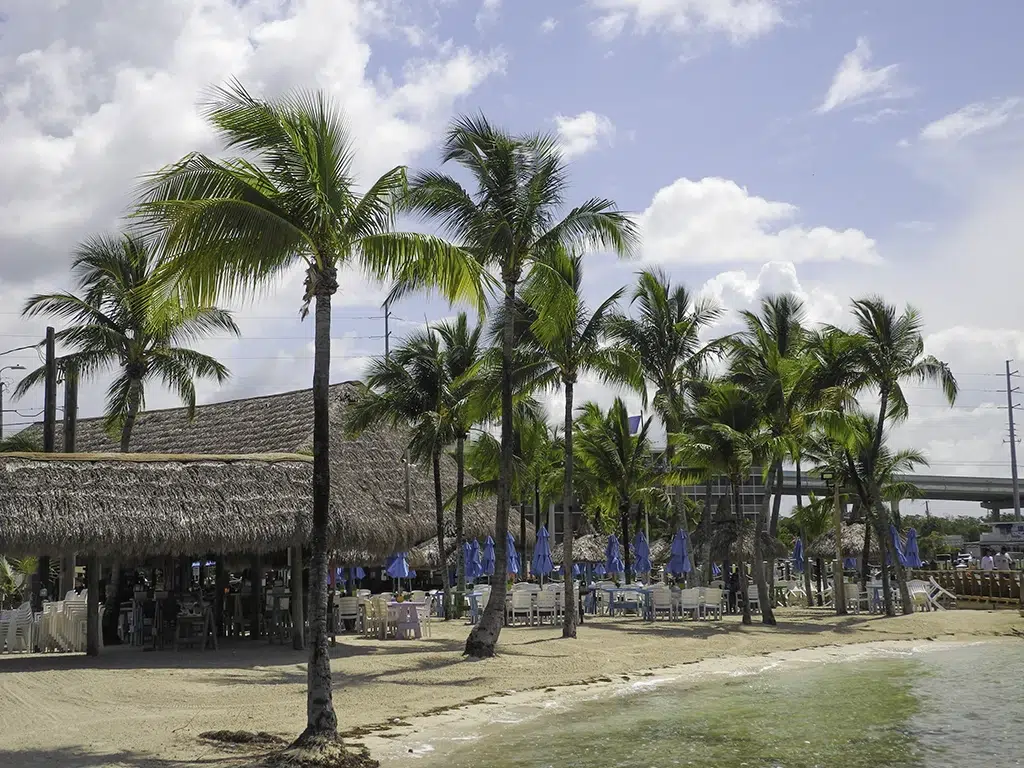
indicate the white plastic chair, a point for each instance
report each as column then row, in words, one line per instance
column 689, row 601
column 348, row 610
column 753, row 598
column 712, row 599
column 546, row 605
column 521, row 605
column 661, row 602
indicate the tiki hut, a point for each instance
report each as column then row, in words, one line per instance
column 589, row 548
column 729, row 540
column 853, row 544
column 136, row 506
column 367, row 473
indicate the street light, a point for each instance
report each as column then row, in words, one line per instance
column 2, row 384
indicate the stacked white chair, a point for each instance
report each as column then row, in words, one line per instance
column 661, row 603
column 546, row 605
column 753, row 597
column 690, row 601
column 521, row 605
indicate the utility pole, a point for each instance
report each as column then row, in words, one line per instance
column 50, row 395
column 70, row 407
column 2, row 385
column 387, row 330
column 927, row 512
column 1013, row 440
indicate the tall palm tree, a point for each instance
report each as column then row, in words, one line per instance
column 117, row 320
column 727, row 432
column 411, row 388
column 235, row 226
column 665, row 335
column 889, row 350
column 508, row 219
column 463, row 362
column 617, row 465
column 565, row 343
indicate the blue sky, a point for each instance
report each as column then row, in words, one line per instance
column 832, row 149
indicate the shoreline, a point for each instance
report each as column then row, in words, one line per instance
column 132, row 709
column 436, row 733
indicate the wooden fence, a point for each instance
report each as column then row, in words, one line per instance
column 998, row 587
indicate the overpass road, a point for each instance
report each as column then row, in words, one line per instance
column 990, row 492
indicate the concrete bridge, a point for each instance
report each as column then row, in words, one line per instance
column 995, row 493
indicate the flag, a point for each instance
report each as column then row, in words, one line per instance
column 634, row 424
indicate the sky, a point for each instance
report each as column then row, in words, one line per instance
column 833, row 150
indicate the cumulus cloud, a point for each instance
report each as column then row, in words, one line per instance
column 582, row 133
column 739, row 20
column 548, row 25
column 716, row 221
column 967, row 121
column 488, row 14
column 855, row 82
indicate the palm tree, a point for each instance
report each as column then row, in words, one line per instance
column 463, row 361
column 888, row 348
column 813, row 519
column 411, row 388
column 617, row 465
column 727, row 433
column 508, row 220
column 235, row 226
column 118, row 320
column 565, row 343
column 665, row 335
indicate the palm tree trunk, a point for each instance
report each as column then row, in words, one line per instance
column 321, row 720
column 773, row 528
column 820, row 565
column 709, row 566
column 884, row 551
column 92, row 607
column 298, row 620
column 460, row 525
column 484, row 636
column 624, row 518
column 803, row 536
column 569, row 598
column 522, row 527
column 741, row 564
column 763, row 595
column 901, row 574
column 865, row 566
column 435, row 461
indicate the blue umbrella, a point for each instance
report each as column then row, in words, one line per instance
column 576, row 570
column 798, row 556
column 412, row 574
column 542, row 564
column 679, row 560
column 913, row 555
column 398, row 568
column 900, row 554
column 487, row 561
column 468, row 561
column 716, row 569
column 600, row 570
column 511, row 556
column 849, row 563
column 357, row 573
column 642, row 553
column 612, row 561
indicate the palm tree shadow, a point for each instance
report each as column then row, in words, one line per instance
column 74, row 757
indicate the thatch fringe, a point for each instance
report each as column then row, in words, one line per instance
column 853, row 543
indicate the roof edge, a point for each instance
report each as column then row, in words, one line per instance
column 167, row 458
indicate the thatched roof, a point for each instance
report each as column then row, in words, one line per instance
column 590, row 548
column 367, row 473
column 853, row 543
column 143, row 505
column 729, row 540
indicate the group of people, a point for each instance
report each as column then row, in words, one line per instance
column 998, row 562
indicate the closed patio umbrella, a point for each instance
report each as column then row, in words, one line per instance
column 679, row 563
column 798, row 556
column 897, row 545
column 487, row 560
column 913, row 555
column 612, row 560
column 542, row 564
column 642, row 553
column 511, row 556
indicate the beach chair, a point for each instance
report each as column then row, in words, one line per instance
column 348, row 610
column 689, row 601
column 661, row 603
column 521, row 605
column 712, row 599
column 418, row 596
column 753, row 598
column 546, row 604
column 936, row 594
column 424, row 613
column 919, row 595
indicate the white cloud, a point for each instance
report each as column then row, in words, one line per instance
column 488, row 14
column 716, row 221
column 855, row 82
column 739, row 20
column 969, row 120
column 877, row 116
column 582, row 133
column 548, row 25
column 90, row 98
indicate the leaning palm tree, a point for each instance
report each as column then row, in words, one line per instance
column 665, row 334
column 236, row 226
column 410, row 389
column 889, row 350
column 565, row 342
column 508, row 219
column 118, row 320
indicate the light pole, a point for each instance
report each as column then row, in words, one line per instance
column 838, row 592
column 2, row 385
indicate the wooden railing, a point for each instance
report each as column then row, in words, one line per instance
column 1001, row 587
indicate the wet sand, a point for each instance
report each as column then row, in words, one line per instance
column 135, row 709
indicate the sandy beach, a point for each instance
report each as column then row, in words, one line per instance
column 133, row 709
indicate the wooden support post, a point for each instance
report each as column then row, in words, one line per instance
column 256, row 574
column 220, row 578
column 67, row 575
column 92, row 606
column 298, row 622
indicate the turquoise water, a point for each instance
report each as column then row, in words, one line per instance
column 956, row 706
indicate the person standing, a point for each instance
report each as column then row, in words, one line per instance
column 1002, row 562
column 987, row 561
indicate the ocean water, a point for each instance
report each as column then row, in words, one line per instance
column 921, row 708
